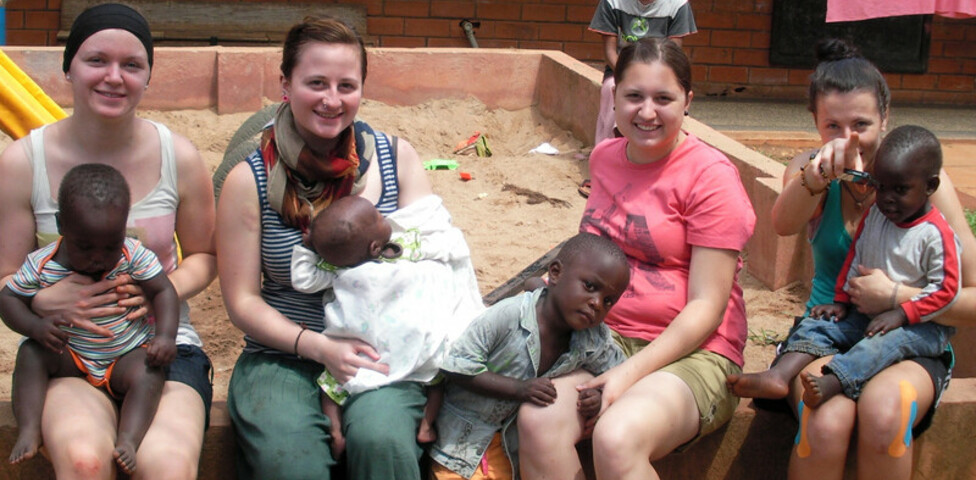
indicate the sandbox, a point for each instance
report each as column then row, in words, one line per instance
column 490, row 91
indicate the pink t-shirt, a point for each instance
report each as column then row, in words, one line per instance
column 656, row 213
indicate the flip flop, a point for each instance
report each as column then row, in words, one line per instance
column 584, row 188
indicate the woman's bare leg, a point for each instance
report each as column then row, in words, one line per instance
column 883, row 416
column 548, row 435
column 171, row 447
column 824, row 434
column 79, row 425
column 652, row 418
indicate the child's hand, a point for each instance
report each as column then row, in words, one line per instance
column 886, row 322
column 588, row 404
column 830, row 311
column 48, row 332
column 161, row 351
column 539, row 391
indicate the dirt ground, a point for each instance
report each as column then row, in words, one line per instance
column 515, row 208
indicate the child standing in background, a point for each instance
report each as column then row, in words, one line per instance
column 508, row 354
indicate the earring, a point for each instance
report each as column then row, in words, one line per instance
column 284, row 96
column 67, row 76
column 686, row 113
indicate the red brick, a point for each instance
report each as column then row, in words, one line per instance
column 452, row 9
column 750, row 57
column 561, row 32
column 15, row 19
column 969, row 67
column 28, row 5
column 760, row 40
column 516, row 30
column 959, row 49
column 945, row 65
column 958, row 83
column 454, row 42
column 427, row 27
column 499, row 11
column 497, row 43
column 919, row 82
column 769, row 76
column 764, row 6
column 728, row 74
column 714, row 21
column 734, row 6
column 406, row 8
column 893, row 80
column 711, row 55
column 699, row 39
column 542, row 45
column 373, row 7
column 589, row 3
column 543, row 13
column 384, row 26
column 579, row 14
column 971, row 33
column 945, row 31
column 54, row 4
column 699, row 74
column 948, row 98
column 935, row 49
column 409, row 42
column 42, row 20
column 27, row 37
column 753, row 21
column 730, row 38
column 799, row 77
column 584, row 51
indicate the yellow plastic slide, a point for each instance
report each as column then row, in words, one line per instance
column 23, row 105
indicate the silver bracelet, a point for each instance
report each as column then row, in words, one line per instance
column 894, row 296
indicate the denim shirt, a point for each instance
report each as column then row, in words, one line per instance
column 505, row 340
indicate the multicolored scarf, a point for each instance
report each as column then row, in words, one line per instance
column 341, row 173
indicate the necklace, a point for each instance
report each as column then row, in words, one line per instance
column 859, row 201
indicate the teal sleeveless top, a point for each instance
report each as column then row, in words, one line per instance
column 829, row 242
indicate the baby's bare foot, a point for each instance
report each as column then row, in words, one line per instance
column 758, row 385
column 26, row 446
column 817, row 390
column 125, row 457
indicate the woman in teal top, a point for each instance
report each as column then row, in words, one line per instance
column 849, row 99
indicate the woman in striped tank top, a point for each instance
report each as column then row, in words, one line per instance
column 313, row 153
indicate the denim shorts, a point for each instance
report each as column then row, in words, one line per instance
column 192, row 367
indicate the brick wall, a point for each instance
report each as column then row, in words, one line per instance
column 730, row 52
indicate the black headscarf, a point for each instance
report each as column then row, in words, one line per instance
column 104, row 17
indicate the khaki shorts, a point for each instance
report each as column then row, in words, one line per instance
column 705, row 374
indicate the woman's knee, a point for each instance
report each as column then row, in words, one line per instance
column 83, row 460
column 829, row 424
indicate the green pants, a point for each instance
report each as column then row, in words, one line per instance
column 282, row 433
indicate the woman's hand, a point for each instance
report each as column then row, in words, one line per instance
column 78, row 299
column 837, row 155
column 613, row 383
column 343, row 357
column 870, row 291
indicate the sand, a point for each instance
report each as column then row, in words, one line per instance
column 516, row 207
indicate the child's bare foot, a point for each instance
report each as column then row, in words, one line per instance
column 426, row 433
column 817, row 390
column 125, row 456
column 758, row 385
column 26, row 446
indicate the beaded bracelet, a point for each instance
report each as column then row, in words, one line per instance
column 894, row 297
column 803, row 181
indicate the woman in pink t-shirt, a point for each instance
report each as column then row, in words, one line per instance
column 678, row 209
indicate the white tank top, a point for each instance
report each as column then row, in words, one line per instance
column 152, row 219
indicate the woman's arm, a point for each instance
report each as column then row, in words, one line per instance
column 16, row 214
column 411, row 174
column 194, row 222
column 238, row 231
column 796, row 206
column 710, row 278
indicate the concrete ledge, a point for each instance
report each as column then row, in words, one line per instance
column 755, row 444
